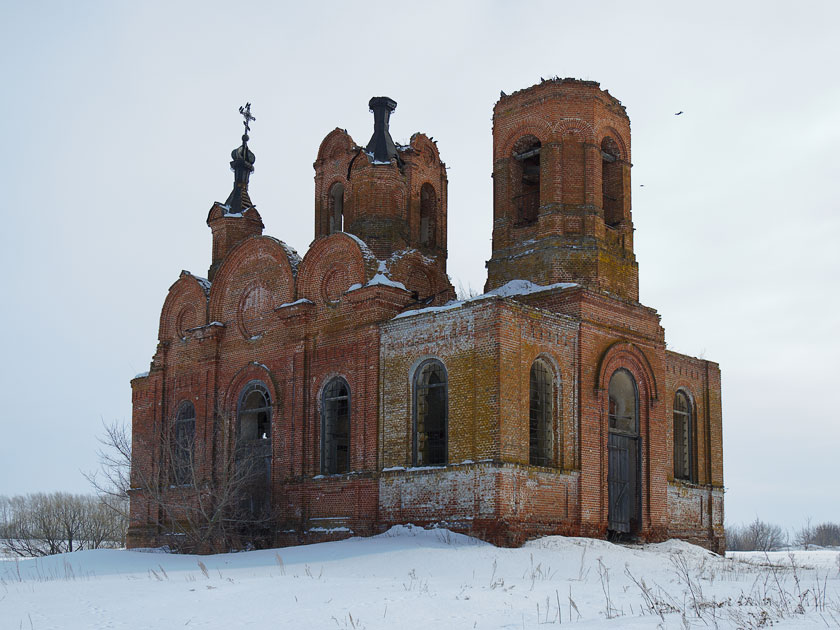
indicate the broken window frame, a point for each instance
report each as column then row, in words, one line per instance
column 335, row 438
column 262, row 412
column 683, row 437
column 431, row 398
column 541, row 414
column 183, row 444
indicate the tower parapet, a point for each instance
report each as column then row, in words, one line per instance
column 561, row 189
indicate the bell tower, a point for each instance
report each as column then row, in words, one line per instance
column 561, row 189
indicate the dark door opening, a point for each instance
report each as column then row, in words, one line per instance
column 623, row 487
column 623, row 482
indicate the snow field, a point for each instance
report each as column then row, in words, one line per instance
column 413, row 578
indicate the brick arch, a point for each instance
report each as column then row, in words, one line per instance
column 229, row 397
column 332, row 265
column 258, row 260
column 622, row 354
column 334, row 143
column 628, row 356
column 253, row 371
column 321, row 381
column 188, row 293
column 540, row 130
column 611, row 132
column 567, row 126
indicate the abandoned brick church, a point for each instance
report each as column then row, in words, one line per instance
column 361, row 394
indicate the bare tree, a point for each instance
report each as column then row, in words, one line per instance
column 827, row 535
column 203, row 506
column 804, row 537
column 757, row 536
column 112, row 480
column 44, row 524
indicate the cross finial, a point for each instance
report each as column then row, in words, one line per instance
column 246, row 114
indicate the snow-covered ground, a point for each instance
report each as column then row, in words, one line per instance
column 413, row 578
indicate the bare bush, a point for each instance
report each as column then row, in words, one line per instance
column 203, row 508
column 756, row 536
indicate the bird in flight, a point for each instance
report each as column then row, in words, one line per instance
column 678, row 113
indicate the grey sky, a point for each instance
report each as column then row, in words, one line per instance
column 118, row 119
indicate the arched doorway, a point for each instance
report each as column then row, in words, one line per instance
column 623, row 456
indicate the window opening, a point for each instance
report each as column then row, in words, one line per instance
column 255, row 414
column 526, row 199
column 623, row 408
column 682, row 437
column 541, row 414
column 184, row 444
column 612, row 187
column 428, row 215
column 430, row 412
column 335, row 428
column 337, row 208
column 253, row 453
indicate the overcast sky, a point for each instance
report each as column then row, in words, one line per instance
column 118, row 118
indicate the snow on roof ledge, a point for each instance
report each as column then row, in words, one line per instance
column 511, row 289
column 524, row 287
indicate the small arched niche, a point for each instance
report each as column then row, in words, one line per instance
column 526, row 180
column 428, row 215
column 336, row 205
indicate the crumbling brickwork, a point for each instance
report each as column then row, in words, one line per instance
column 550, row 405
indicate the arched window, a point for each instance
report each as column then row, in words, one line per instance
column 183, row 445
column 682, row 437
column 526, row 180
column 254, row 414
column 253, row 450
column 335, row 427
column 612, row 183
column 541, row 414
column 623, row 406
column 337, row 208
column 430, row 414
column 428, row 215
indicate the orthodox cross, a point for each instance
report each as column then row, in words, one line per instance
column 246, row 114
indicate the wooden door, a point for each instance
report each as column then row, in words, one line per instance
column 622, row 482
